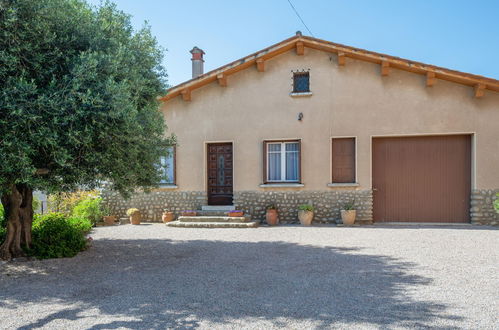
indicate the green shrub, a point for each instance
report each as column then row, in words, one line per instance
column 54, row 236
column 3, row 233
column 3, row 223
column 306, row 207
column 90, row 208
column 84, row 225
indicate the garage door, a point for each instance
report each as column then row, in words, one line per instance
column 422, row 179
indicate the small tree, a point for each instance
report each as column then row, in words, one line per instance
column 78, row 105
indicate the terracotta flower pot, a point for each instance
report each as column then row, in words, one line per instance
column 168, row 217
column 189, row 213
column 348, row 217
column 135, row 218
column 305, row 217
column 272, row 217
column 236, row 214
column 109, row 220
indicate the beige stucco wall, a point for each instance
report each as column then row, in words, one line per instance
column 354, row 100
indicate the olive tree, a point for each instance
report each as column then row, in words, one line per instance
column 78, row 88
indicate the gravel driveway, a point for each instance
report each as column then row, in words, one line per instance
column 154, row 277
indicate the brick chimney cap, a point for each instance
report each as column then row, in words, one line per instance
column 196, row 50
column 298, row 33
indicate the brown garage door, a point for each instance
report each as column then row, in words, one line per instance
column 422, row 179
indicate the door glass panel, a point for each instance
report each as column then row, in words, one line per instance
column 221, row 170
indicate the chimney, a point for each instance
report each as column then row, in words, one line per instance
column 197, row 61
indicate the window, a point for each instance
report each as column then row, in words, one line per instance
column 282, row 161
column 343, row 162
column 167, row 167
column 301, row 82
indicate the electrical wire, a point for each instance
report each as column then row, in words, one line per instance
column 296, row 12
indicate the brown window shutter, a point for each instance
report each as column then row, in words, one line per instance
column 264, row 162
column 343, row 162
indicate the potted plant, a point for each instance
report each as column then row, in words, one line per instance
column 134, row 215
column 306, row 214
column 189, row 213
column 109, row 220
column 167, row 216
column 235, row 213
column 348, row 214
column 272, row 216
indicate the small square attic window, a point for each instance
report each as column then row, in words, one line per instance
column 301, row 82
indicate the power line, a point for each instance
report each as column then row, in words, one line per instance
column 296, row 12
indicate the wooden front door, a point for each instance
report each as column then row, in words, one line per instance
column 422, row 179
column 219, row 173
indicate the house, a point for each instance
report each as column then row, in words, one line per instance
column 311, row 121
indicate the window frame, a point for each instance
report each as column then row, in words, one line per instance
column 300, row 73
column 174, row 183
column 265, row 161
column 333, row 182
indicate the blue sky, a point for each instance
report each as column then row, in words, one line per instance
column 460, row 34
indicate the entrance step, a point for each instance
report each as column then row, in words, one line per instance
column 214, row 219
column 224, row 208
column 184, row 224
column 211, row 213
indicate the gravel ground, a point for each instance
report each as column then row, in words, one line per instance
column 154, row 277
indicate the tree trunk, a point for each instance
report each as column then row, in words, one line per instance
column 18, row 206
column 26, row 213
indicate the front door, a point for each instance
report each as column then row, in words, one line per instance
column 219, row 173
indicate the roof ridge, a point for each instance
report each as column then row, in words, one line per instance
column 456, row 76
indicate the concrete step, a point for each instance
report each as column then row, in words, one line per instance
column 216, row 213
column 217, row 208
column 180, row 224
column 214, row 219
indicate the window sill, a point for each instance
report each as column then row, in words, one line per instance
column 168, row 186
column 282, row 185
column 300, row 94
column 343, row 185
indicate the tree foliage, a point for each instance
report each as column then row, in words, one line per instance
column 78, row 90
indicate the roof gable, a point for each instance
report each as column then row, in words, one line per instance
column 299, row 42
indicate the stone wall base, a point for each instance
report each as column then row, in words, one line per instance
column 482, row 209
column 153, row 204
column 327, row 204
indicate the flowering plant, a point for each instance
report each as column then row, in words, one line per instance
column 131, row 211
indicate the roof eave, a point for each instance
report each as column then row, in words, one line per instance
column 348, row 51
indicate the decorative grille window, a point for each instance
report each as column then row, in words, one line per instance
column 301, row 82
